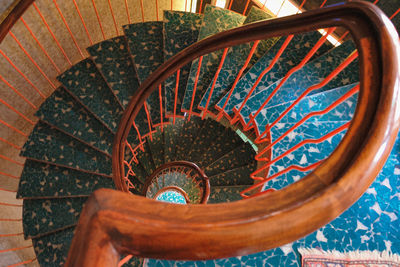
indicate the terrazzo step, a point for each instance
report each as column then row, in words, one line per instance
column 215, row 20
column 235, row 59
column 113, row 60
column 304, row 156
column 145, row 41
column 47, row 144
column 313, row 103
column 171, row 137
column 297, row 49
column 64, row 112
column 52, row 250
column 242, row 155
column 85, row 82
column 222, row 194
column 206, row 137
column 311, row 74
column 136, row 185
column 221, row 145
column 181, row 29
column 186, row 137
column 40, row 179
column 140, row 173
column 234, row 176
column 43, row 216
column 157, row 147
column 145, row 158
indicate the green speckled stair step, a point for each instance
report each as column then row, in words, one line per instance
column 171, row 138
column 297, row 49
column 240, row 156
column 206, row 137
column 157, row 147
column 235, row 59
column 145, row 41
column 52, row 250
column 221, row 194
column 136, row 185
column 237, row 176
column 42, row 216
column 181, row 29
column 39, row 179
column 87, row 84
column 189, row 132
column 64, row 112
column 113, row 60
column 215, row 20
column 221, row 145
column 145, row 158
column 50, row 145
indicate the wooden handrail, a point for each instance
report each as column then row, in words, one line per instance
column 114, row 223
column 186, row 164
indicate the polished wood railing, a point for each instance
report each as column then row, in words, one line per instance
column 114, row 223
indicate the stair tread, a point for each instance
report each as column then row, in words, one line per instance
column 42, row 216
column 145, row 41
column 215, row 20
column 297, row 49
column 64, row 112
column 39, row 179
column 181, row 29
column 235, row 176
column 145, row 159
column 85, row 82
column 50, row 145
column 235, row 59
column 186, row 137
column 113, row 60
column 312, row 73
column 240, row 156
column 157, row 148
column 316, row 102
column 171, row 137
column 222, row 194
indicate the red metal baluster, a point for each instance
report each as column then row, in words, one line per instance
column 323, row 3
column 10, row 205
column 52, row 34
column 302, row 143
column 171, row 4
column 7, row 235
column 320, row 42
column 280, row 8
column 139, row 136
column 9, row 175
column 17, row 92
column 394, row 14
column 31, row 59
column 230, row 4
column 98, row 19
column 148, row 120
column 22, row 74
column 10, row 144
column 127, row 11
column 14, row 249
column 22, row 263
column 161, row 106
column 83, row 22
column 40, row 45
column 176, row 93
column 195, row 86
column 157, row 10
column 7, row 190
column 113, row 16
column 185, row 5
column 221, row 63
column 273, row 62
column 245, row 8
column 16, row 111
column 69, row 30
column 253, row 49
column 124, row 260
column 13, row 128
column 201, row 6
column 11, row 160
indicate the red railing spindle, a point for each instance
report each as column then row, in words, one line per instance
column 22, row 263
column 83, row 22
column 308, row 116
column 221, row 63
column 9, row 175
column 11, row 160
column 139, row 136
column 10, row 205
column 127, row 11
column 141, row 9
column 14, row 249
column 40, row 45
column 394, row 14
column 280, row 8
column 124, row 260
column 148, row 120
column 176, row 94
column 323, row 3
column 201, row 6
column 113, row 17
column 52, row 34
column 8, row 190
column 32, row 60
column 22, row 74
column 18, row 92
column 157, row 10
column 245, row 8
column 98, row 19
column 16, row 111
column 311, row 53
column 161, row 107
column 7, row 235
column 10, row 144
column 68, row 29
column 195, row 86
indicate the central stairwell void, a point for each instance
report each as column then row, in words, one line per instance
column 201, row 109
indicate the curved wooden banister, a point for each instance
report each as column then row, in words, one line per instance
column 186, row 164
column 114, row 223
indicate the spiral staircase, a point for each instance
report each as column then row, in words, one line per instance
column 97, row 94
